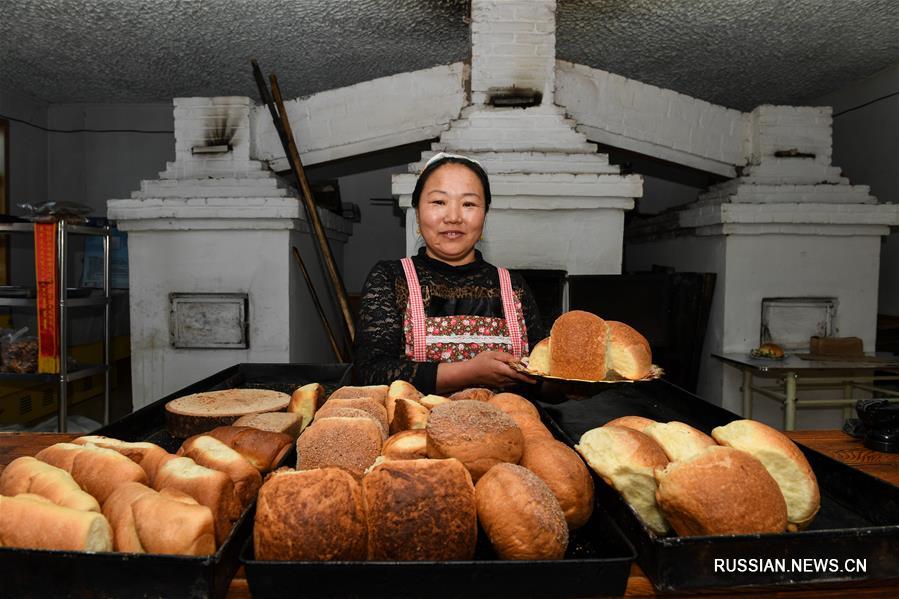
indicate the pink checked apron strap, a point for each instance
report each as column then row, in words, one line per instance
column 417, row 312
column 509, row 311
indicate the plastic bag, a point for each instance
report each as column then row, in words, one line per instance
column 71, row 212
column 18, row 353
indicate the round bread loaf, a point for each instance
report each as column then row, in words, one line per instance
column 565, row 473
column 626, row 459
column 637, row 423
column 313, row 515
column 784, row 461
column 520, row 514
column 512, row 402
column 629, row 354
column 420, row 510
column 720, row 491
column 538, row 361
column 476, row 433
column 349, row 443
column 577, row 348
column 475, row 393
column 200, row 412
column 531, row 428
column 678, row 440
column 406, row 445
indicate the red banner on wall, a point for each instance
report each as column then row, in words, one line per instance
column 47, row 297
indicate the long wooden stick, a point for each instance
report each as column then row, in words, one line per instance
column 318, row 306
column 312, row 214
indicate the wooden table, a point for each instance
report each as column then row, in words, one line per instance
column 835, row 444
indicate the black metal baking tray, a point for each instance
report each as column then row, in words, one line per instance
column 598, row 563
column 858, row 520
column 148, row 423
column 39, row 573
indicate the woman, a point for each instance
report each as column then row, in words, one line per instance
column 445, row 319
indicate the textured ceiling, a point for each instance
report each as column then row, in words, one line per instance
column 739, row 53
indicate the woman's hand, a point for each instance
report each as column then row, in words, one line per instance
column 487, row 369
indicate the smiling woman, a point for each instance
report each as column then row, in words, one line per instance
column 445, row 319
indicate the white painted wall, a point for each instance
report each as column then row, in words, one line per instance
column 866, row 146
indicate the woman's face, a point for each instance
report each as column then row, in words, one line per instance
column 451, row 211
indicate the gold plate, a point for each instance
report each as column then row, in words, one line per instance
column 655, row 372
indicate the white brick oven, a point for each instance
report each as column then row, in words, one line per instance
column 217, row 223
column 557, row 204
column 790, row 226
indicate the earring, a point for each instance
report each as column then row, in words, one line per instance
column 418, row 231
column 481, row 238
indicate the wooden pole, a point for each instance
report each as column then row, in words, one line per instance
column 282, row 126
column 318, row 306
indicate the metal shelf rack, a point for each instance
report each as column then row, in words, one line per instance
column 65, row 376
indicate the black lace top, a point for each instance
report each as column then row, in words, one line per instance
column 471, row 289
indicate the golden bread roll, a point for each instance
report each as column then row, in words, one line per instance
column 349, row 443
column 399, row 390
column 531, row 428
column 210, row 452
column 512, row 402
column 720, row 491
column 577, row 349
column 376, row 392
column 117, row 509
column 61, row 455
column 638, row 423
column 628, row 352
column 305, row 401
column 538, row 361
column 342, row 412
column 146, row 455
column 420, row 510
column 566, row 475
column 174, row 526
column 287, row 423
column 430, row 401
column 784, row 461
column 263, row 449
column 372, row 407
column 408, row 415
column 474, row 393
column 678, row 440
column 311, row 515
column 406, row 445
column 30, row 475
column 476, row 433
column 208, row 487
column 626, row 460
column 97, row 470
column 34, row 522
column 520, row 514
column 168, row 522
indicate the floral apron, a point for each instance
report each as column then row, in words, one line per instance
column 457, row 338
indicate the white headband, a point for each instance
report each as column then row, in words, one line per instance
column 442, row 155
